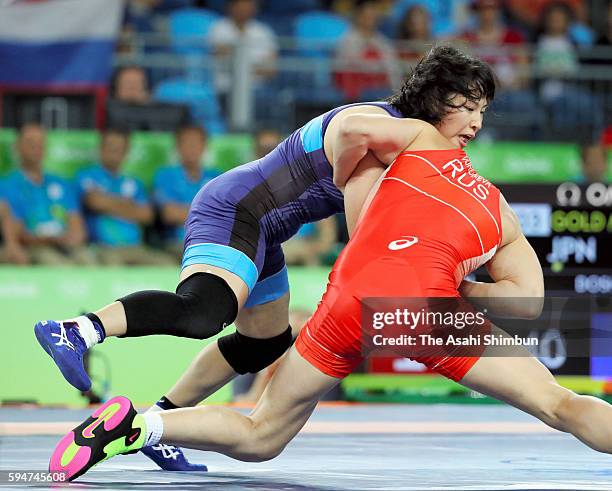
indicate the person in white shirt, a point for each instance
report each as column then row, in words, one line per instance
column 240, row 26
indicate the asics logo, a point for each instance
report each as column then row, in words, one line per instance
column 63, row 338
column 403, row 243
column 167, row 451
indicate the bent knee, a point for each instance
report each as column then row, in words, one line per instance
column 258, row 451
column 260, row 445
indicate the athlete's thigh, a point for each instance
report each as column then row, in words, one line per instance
column 264, row 320
column 520, row 380
column 266, row 312
column 290, row 397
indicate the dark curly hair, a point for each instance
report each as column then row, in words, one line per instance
column 437, row 78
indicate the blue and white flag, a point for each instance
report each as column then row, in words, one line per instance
column 58, row 42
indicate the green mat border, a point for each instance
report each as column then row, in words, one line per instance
column 431, row 388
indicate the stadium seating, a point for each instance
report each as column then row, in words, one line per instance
column 189, row 28
column 317, row 34
column 283, row 7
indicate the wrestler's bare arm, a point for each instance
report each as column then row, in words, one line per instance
column 516, row 271
column 368, row 173
column 360, row 189
column 351, row 135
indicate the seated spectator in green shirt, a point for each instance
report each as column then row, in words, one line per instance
column 175, row 186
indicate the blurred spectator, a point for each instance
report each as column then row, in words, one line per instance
column 241, row 27
column 594, row 163
column 132, row 108
column 175, row 186
column 573, row 112
column 414, row 34
column 117, row 206
column 266, row 140
column 555, row 54
column 581, row 31
column 311, row 244
column 601, row 55
column 130, row 85
column 340, row 7
column 606, row 37
column 146, row 17
column 362, row 48
column 449, row 18
column 504, row 49
column 140, row 15
column 44, row 225
column 11, row 251
column 499, row 45
column 529, row 12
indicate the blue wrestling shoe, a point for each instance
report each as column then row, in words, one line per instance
column 62, row 342
column 171, row 458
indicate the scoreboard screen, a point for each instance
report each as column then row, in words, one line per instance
column 570, row 228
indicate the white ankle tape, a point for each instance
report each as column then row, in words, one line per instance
column 87, row 331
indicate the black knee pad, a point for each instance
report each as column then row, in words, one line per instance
column 201, row 307
column 246, row 354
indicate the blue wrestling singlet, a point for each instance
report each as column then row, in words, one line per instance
column 239, row 220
